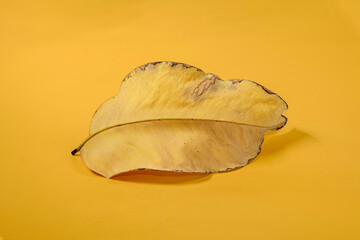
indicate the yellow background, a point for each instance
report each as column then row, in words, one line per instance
column 61, row 59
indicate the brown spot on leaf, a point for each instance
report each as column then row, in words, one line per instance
column 236, row 80
column 204, row 85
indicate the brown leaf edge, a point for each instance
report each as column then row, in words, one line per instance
column 173, row 64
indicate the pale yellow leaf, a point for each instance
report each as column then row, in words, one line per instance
column 174, row 117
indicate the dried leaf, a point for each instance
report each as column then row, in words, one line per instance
column 174, row 117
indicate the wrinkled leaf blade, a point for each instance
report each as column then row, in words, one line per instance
column 173, row 145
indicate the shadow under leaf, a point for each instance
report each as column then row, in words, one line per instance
column 276, row 143
column 162, row 177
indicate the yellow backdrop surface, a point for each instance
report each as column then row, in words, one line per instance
column 61, row 59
